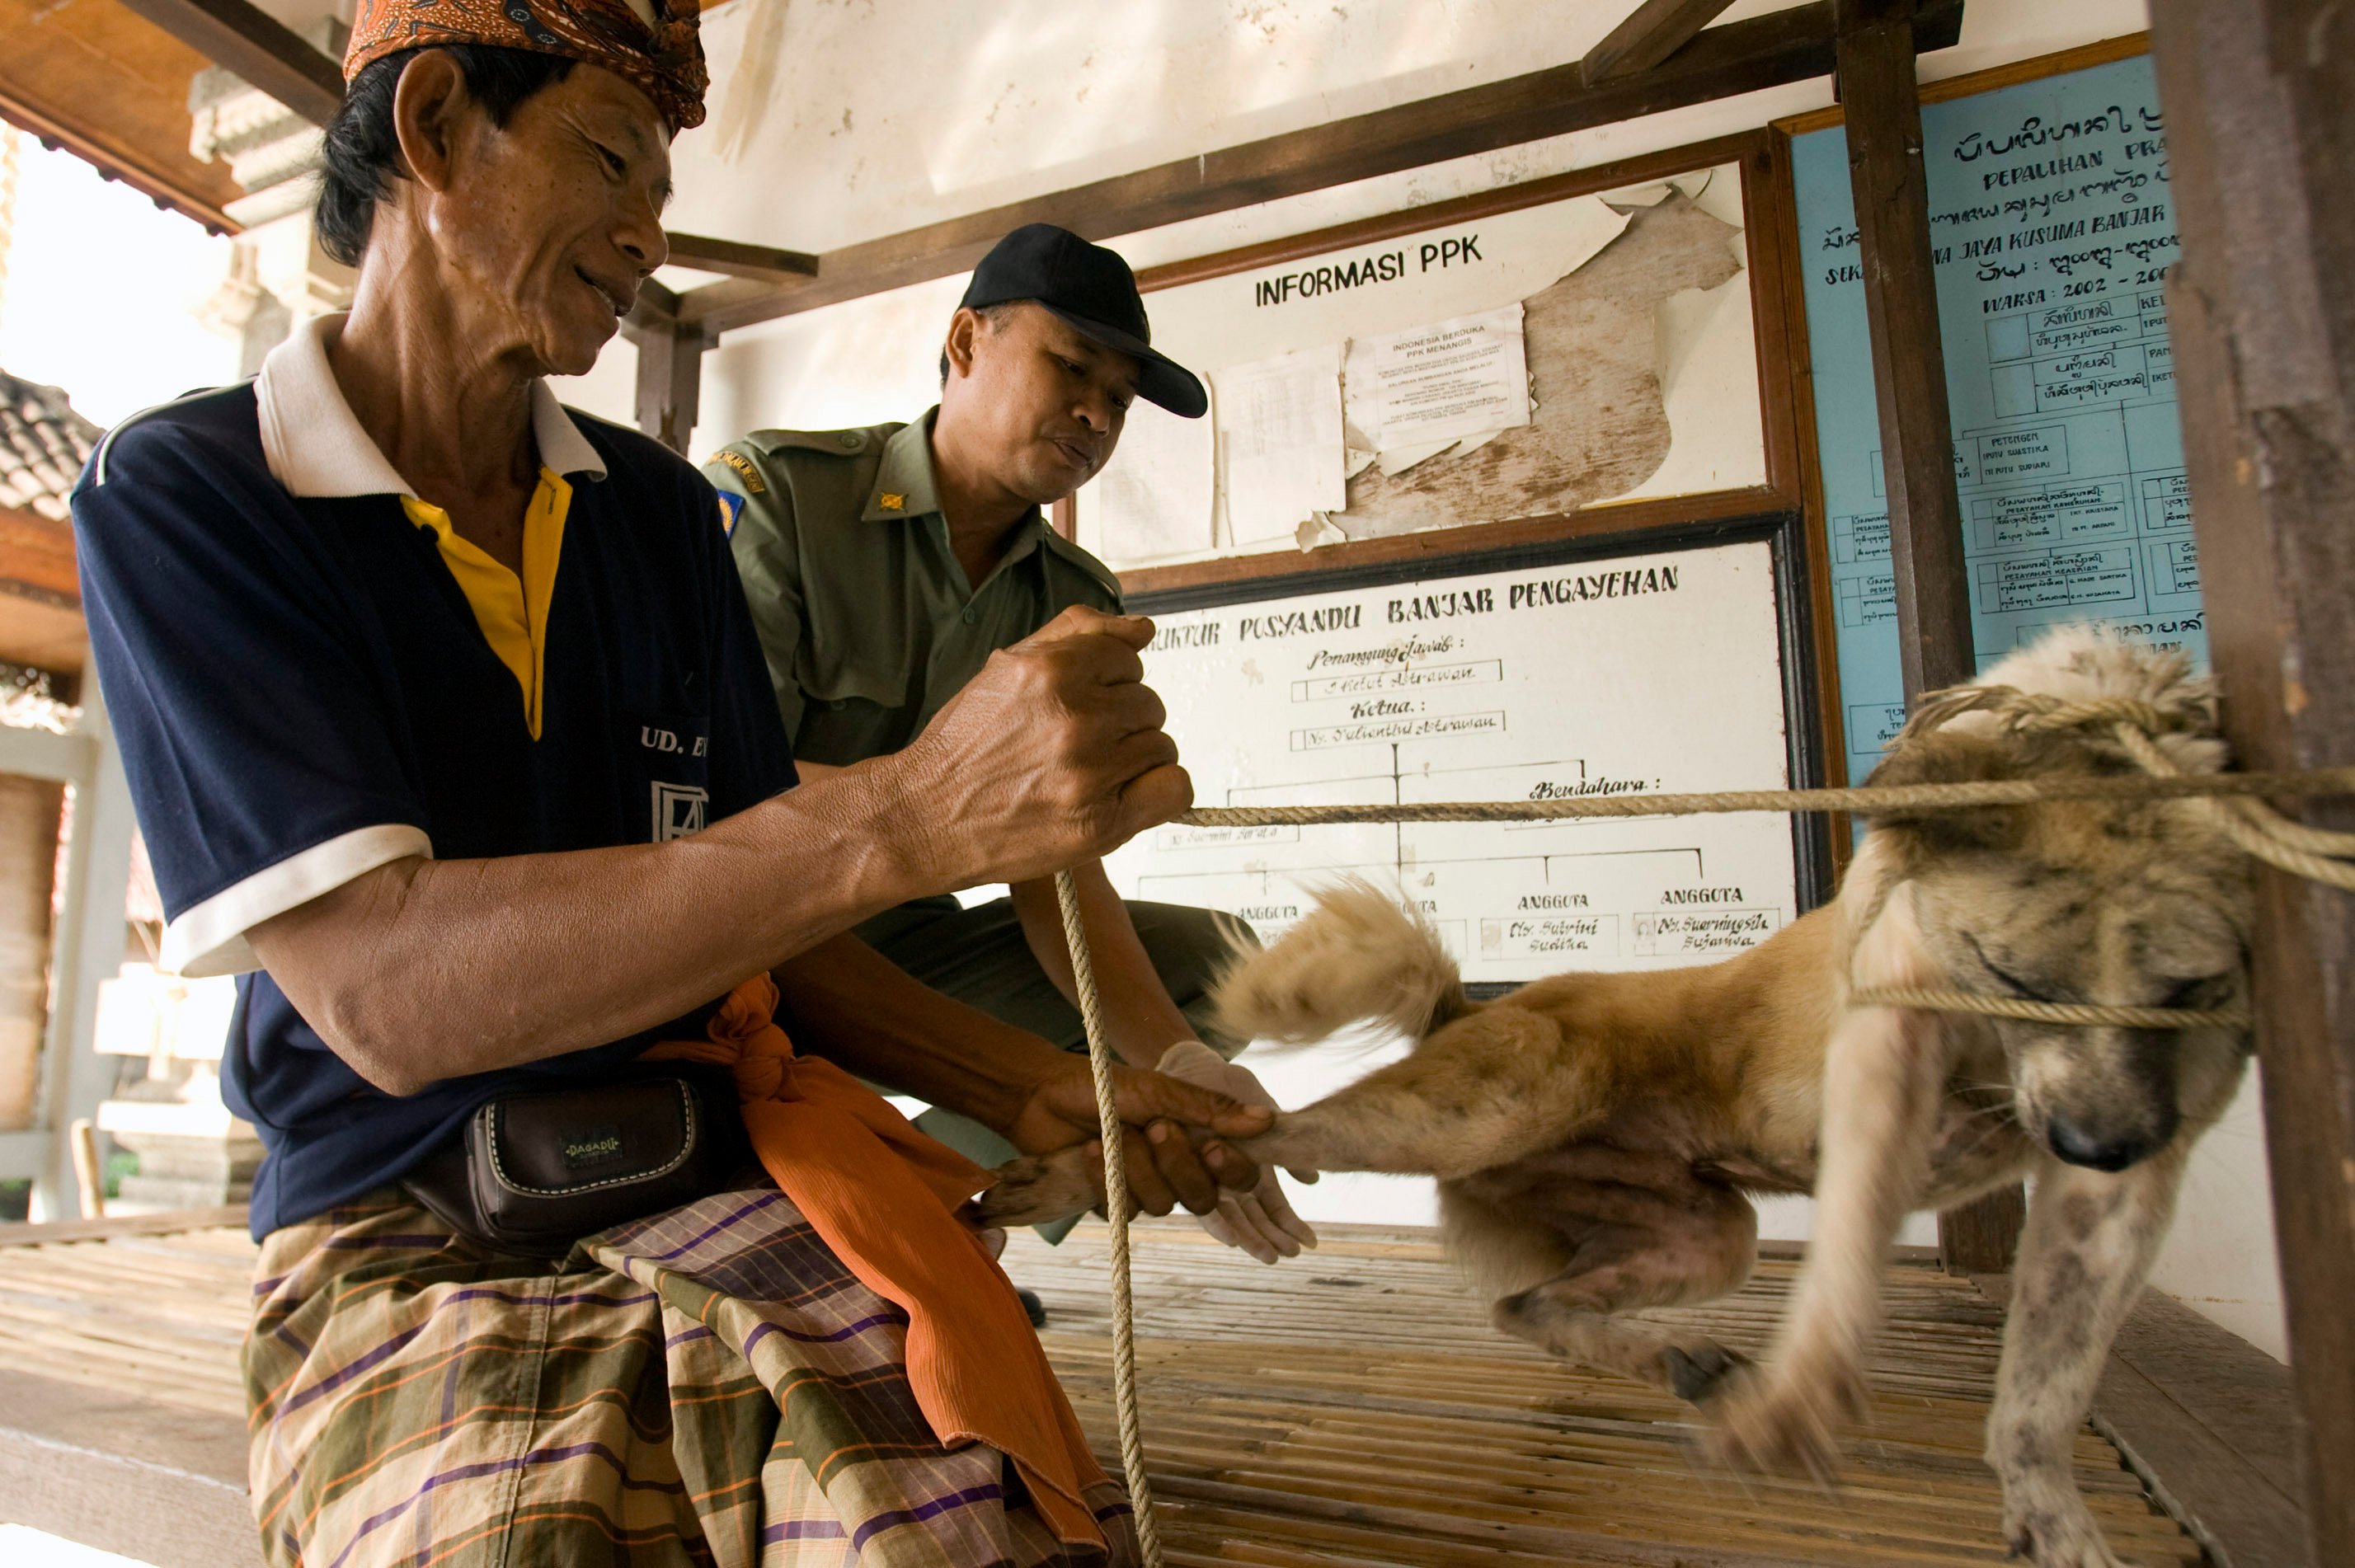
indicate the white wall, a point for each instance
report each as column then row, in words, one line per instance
column 2220, row 1259
column 804, row 149
column 836, row 120
column 821, row 135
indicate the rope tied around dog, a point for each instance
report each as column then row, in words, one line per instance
column 1858, row 800
column 2079, row 1014
column 2235, row 801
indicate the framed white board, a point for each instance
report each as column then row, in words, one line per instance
column 1672, row 660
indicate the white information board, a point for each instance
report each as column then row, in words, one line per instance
column 1523, row 363
column 1641, row 672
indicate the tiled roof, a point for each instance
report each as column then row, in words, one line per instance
column 43, row 444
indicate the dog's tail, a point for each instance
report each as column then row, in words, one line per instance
column 1360, row 954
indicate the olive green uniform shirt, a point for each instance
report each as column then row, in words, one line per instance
column 863, row 612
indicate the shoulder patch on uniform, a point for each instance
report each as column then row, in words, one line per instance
column 731, row 507
column 836, row 443
column 744, row 467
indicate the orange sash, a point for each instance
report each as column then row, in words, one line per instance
column 885, row 1197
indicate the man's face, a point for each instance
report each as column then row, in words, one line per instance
column 551, row 222
column 1038, row 403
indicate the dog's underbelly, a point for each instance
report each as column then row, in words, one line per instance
column 1663, row 1145
column 1669, row 1149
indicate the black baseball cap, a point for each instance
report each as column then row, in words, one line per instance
column 1091, row 289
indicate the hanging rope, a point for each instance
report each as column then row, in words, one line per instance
column 1116, row 1210
column 2235, row 800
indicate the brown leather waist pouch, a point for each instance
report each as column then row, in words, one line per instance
column 536, row 1171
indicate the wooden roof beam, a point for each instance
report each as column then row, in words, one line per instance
column 255, row 45
column 248, row 41
column 1782, row 46
column 1652, row 32
column 741, row 260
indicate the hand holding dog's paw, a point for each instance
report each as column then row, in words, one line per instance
column 1787, row 1422
column 1260, row 1222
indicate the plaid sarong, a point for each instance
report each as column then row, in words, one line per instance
column 709, row 1387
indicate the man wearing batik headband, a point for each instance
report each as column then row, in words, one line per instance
column 450, row 736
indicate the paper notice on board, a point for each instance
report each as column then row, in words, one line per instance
column 1279, row 431
column 1433, row 385
column 1154, row 499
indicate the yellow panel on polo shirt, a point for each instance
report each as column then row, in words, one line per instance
column 512, row 611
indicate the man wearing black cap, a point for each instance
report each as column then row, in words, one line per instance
column 884, row 567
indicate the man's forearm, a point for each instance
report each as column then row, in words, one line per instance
column 1140, row 1019
column 428, row 969
column 849, row 1003
column 421, row 971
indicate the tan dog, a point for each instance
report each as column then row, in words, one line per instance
column 1594, row 1135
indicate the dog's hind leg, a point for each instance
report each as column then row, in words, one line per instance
column 1486, row 1091
column 1632, row 1244
column 2089, row 1242
column 1692, row 1367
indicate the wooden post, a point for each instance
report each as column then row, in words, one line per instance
column 1876, row 50
column 670, row 380
column 29, row 814
column 2259, row 97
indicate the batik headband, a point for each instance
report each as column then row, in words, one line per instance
column 654, row 45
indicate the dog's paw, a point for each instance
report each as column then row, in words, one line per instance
column 1033, row 1190
column 2059, row 1532
column 1786, row 1422
column 1702, row 1372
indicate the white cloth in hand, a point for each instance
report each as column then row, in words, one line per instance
column 1260, row 1222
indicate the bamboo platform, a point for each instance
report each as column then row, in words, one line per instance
column 1354, row 1408
column 1347, row 1410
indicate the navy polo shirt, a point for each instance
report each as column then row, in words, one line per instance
column 306, row 684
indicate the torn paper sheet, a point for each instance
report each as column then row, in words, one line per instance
column 1599, row 426
column 1720, row 195
column 1154, row 498
column 1638, row 195
column 1317, row 531
column 1709, row 382
column 1279, row 431
column 1585, row 226
column 1398, row 460
column 1430, row 387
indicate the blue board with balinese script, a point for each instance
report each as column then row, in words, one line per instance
column 2052, row 229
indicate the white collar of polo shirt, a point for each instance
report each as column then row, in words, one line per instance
column 317, row 449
